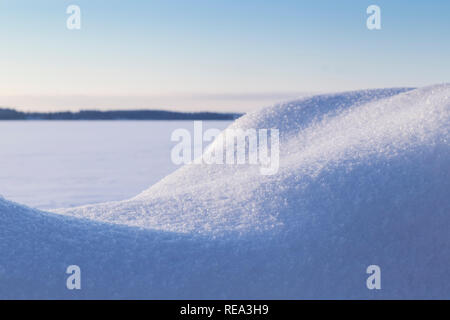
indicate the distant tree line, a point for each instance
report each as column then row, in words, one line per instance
column 10, row 114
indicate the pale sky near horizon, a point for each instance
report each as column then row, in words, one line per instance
column 213, row 54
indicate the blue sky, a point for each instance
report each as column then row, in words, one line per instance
column 213, row 54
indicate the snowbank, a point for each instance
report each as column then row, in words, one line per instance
column 364, row 179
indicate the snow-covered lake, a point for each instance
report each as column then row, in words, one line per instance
column 49, row 164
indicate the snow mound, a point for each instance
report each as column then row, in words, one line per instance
column 364, row 179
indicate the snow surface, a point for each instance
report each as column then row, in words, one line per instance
column 364, row 179
column 62, row 164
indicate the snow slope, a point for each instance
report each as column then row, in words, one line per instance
column 364, row 179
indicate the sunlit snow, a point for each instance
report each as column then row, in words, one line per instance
column 364, row 179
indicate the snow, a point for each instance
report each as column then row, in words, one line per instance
column 364, row 179
column 61, row 164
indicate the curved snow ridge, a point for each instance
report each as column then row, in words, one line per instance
column 326, row 142
column 361, row 183
column 117, row 261
column 293, row 116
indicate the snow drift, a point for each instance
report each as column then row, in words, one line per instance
column 364, row 179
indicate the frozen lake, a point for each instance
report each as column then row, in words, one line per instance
column 54, row 164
